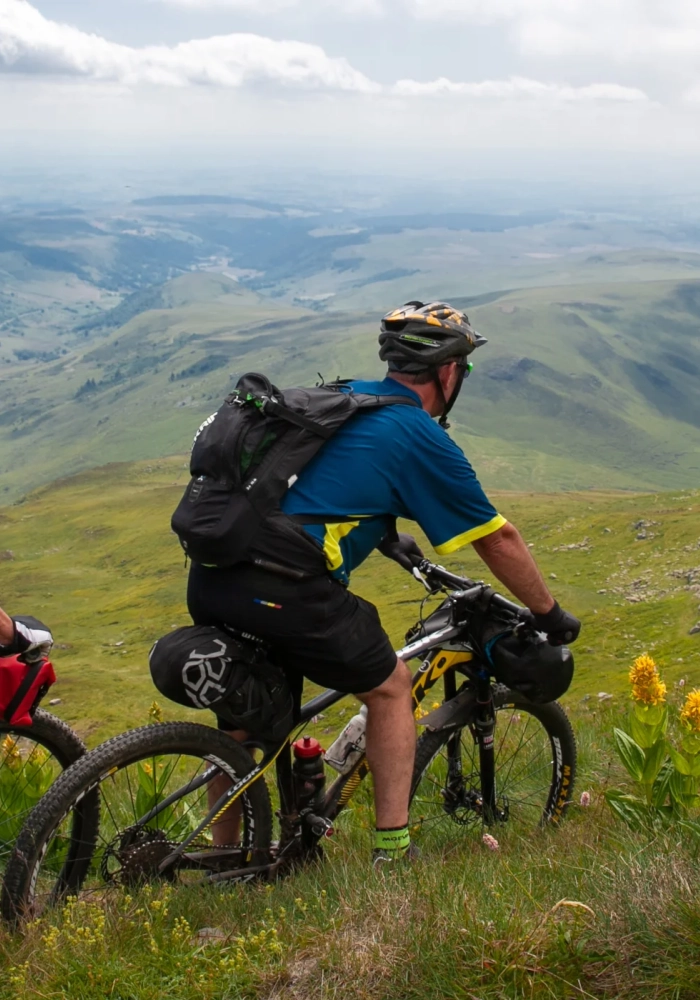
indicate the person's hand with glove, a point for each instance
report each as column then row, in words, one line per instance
column 23, row 634
column 403, row 549
column 560, row 627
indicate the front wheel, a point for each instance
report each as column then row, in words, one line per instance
column 534, row 763
column 31, row 758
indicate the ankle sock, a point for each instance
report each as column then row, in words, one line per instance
column 395, row 841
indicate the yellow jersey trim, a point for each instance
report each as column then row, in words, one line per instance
column 331, row 542
column 473, row 535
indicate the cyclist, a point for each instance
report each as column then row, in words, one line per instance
column 387, row 463
column 22, row 635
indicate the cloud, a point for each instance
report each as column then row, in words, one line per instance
column 623, row 30
column 262, row 7
column 518, row 88
column 31, row 43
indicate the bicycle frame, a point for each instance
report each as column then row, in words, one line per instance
column 447, row 652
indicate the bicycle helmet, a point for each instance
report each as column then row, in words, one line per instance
column 417, row 338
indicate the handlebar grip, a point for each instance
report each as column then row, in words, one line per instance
column 524, row 613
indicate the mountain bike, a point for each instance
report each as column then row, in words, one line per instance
column 487, row 757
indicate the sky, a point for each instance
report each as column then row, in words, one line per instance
column 412, row 85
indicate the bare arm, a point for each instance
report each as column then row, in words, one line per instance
column 7, row 629
column 509, row 559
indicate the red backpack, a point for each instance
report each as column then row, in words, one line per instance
column 22, row 686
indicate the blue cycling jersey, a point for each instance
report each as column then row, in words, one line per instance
column 391, row 462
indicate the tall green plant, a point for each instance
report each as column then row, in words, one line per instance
column 667, row 777
column 24, row 777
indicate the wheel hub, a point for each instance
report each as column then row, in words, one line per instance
column 462, row 805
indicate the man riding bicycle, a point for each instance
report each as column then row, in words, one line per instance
column 383, row 464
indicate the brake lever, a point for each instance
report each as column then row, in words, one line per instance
column 416, row 573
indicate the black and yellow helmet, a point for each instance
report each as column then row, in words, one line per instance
column 417, row 337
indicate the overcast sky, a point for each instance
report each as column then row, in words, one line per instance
column 417, row 80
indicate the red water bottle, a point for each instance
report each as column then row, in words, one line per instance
column 309, row 776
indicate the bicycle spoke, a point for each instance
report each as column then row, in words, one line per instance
column 523, row 763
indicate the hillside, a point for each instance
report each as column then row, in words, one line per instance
column 580, row 386
column 94, row 556
column 591, row 909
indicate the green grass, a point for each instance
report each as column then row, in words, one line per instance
column 93, row 555
column 587, row 911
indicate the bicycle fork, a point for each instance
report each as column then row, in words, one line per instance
column 484, row 728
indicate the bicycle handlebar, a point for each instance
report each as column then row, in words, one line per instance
column 435, row 572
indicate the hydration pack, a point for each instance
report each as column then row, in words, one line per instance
column 245, row 457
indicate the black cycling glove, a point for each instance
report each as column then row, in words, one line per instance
column 560, row 627
column 403, row 549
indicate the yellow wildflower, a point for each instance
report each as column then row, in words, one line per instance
column 10, row 747
column 690, row 713
column 155, row 712
column 647, row 686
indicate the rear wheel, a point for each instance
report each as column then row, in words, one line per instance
column 149, row 787
column 534, row 762
column 31, row 758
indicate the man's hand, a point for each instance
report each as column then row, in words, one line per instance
column 404, row 550
column 560, row 627
column 29, row 634
column 7, row 629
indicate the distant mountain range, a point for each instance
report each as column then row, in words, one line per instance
column 589, row 385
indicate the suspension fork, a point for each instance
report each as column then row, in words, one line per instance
column 484, row 728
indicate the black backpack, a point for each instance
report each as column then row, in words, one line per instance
column 244, row 459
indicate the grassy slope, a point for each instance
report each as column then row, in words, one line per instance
column 94, row 556
column 579, row 386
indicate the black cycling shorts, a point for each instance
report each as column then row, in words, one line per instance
column 314, row 628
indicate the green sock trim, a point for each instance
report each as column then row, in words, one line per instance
column 395, row 842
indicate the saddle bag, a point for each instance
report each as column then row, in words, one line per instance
column 22, row 686
column 201, row 666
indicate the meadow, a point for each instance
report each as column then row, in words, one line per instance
column 591, row 910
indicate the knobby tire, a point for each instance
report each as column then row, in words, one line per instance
column 80, row 784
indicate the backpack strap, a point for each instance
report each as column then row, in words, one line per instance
column 24, row 687
column 367, row 401
column 291, row 416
